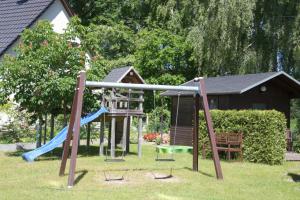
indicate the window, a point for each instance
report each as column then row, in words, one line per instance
column 259, row 106
column 213, row 103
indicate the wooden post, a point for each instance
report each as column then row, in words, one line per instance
column 140, row 128
column 140, row 135
column 74, row 127
column 113, row 126
column 76, row 130
column 70, row 131
column 113, row 137
column 102, row 127
column 88, row 137
column 124, row 142
column 109, row 136
column 196, row 133
column 210, row 129
column 128, row 135
column 101, row 147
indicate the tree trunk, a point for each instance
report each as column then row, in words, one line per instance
column 52, row 126
column 65, row 119
column 39, row 132
column 65, row 114
column 45, row 129
column 88, row 135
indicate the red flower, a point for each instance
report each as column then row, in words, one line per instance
column 150, row 137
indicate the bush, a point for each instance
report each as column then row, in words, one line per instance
column 155, row 123
column 18, row 128
column 296, row 146
column 263, row 132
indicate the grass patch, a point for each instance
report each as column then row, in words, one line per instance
column 40, row 180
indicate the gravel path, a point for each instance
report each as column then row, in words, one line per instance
column 292, row 156
column 17, row 146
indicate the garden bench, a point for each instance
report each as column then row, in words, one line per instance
column 229, row 143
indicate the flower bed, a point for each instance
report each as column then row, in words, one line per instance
column 156, row 137
column 151, row 137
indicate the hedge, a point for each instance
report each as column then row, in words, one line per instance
column 263, row 132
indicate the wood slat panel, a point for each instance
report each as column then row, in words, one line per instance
column 184, row 135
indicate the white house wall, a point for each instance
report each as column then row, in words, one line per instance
column 57, row 15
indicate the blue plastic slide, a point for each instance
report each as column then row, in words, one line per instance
column 60, row 137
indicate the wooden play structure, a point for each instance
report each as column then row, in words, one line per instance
column 123, row 105
column 120, row 111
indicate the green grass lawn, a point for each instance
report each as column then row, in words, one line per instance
column 40, row 180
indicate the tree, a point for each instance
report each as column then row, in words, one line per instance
column 162, row 57
column 162, row 52
column 43, row 72
column 221, row 38
column 110, row 46
column 109, row 42
column 273, row 41
column 133, row 13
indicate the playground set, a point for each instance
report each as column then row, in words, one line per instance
column 118, row 108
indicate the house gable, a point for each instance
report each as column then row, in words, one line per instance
column 16, row 15
column 57, row 15
column 124, row 75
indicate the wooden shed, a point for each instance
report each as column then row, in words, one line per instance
column 265, row 91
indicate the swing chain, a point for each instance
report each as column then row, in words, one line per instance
column 176, row 119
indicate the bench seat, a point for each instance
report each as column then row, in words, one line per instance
column 227, row 142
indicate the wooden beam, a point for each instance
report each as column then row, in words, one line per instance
column 124, row 139
column 76, row 129
column 196, row 133
column 140, row 136
column 140, row 129
column 113, row 137
column 109, row 136
column 210, row 129
column 128, row 136
column 66, row 145
column 101, row 145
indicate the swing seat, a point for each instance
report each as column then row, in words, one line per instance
column 156, row 176
column 171, row 150
column 174, row 149
column 114, row 160
column 108, row 175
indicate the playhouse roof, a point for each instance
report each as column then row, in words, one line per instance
column 16, row 15
column 238, row 84
column 120, row 75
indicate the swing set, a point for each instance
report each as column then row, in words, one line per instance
column 74, row 125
